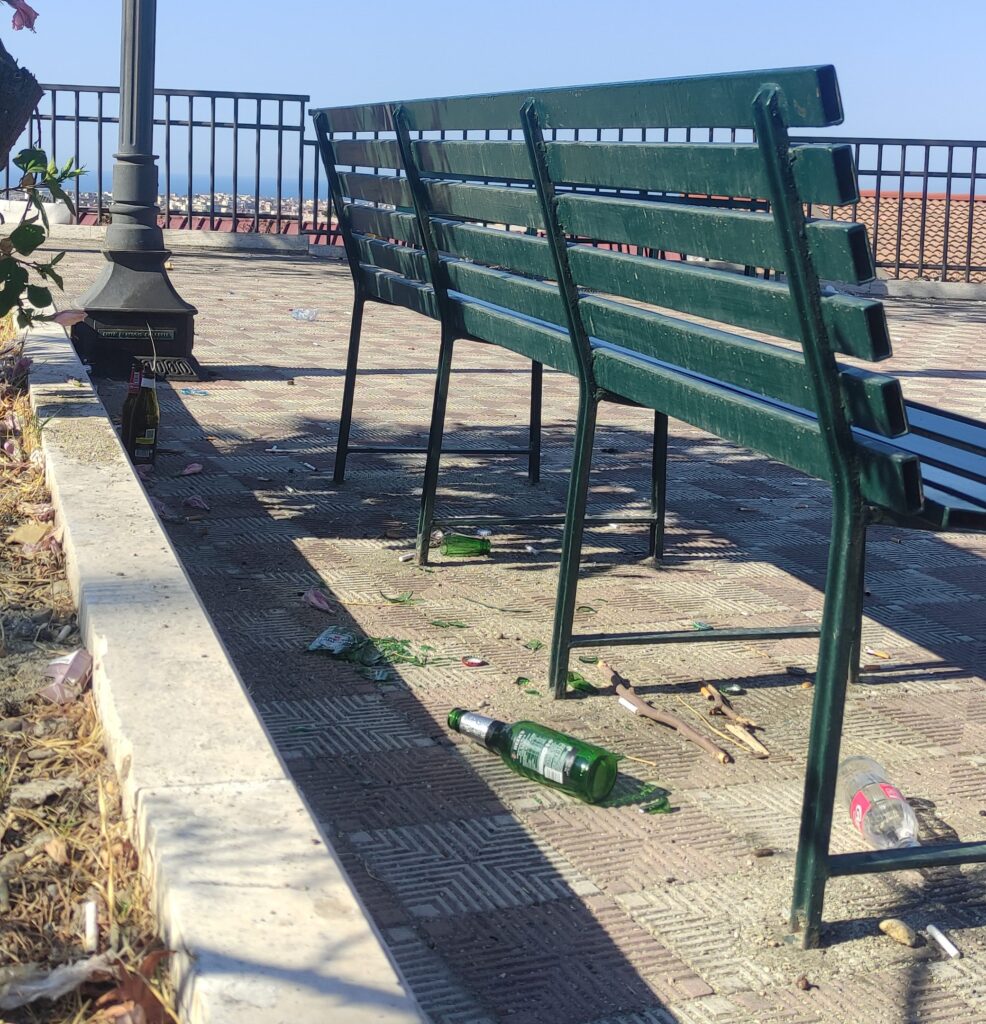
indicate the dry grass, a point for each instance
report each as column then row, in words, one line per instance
column 74, row 848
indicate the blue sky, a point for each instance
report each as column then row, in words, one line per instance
column 906, row 68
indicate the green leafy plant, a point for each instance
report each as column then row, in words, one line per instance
column 18, row 250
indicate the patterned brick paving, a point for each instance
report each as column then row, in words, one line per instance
column 502, row 901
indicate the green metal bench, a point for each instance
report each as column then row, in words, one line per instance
column 400, row 236
column 603, row 316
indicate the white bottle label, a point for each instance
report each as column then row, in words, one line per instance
column 550, row 758
column 631, row 707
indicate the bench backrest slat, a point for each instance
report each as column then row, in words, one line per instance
column 710, row 101
column 825, row 174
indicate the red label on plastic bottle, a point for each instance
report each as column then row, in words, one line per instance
column 860, row 804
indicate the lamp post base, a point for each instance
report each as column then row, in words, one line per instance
column 133, row 310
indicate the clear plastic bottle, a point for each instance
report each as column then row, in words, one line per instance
column 308, row 315
column 876, row 807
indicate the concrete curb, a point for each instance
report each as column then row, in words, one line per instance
column 175, row 240
column 266, row 925
column 906, row 289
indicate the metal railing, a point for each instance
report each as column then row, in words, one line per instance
column 227, row 160
column 920, row 197
column 920, row 202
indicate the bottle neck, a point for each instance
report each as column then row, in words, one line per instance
column 491, row 733
column 147, row 381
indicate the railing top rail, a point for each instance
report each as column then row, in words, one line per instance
column 867, row 140
column 194, row 93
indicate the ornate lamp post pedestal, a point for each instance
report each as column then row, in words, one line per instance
column 133, row 309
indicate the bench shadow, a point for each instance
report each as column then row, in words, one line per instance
column 483, row 923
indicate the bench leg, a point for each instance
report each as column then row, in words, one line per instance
column 534, row 442
column 348, row 391
column 856, row 652
column 571, row 545
column 658, row 486
column 840, row 623
column 430, row 484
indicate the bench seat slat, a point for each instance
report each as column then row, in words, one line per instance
column 839, row 249
column 945, row 511
column 710, row 101
column 889, row 477
column 859, row 326
column 967, row 488
column 955, row 429
column 767, row 370
column 946, row 454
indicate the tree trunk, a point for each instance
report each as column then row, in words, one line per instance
column 19, row 95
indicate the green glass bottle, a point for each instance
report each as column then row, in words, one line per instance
column 129, row 406
column 141, row 428
column 542, row 754
column 460, row 546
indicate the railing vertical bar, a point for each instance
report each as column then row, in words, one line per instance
column 280, row 158
column 76, row 157
column 54, row 126
column 900, row 208
column 876, row 203
column 167, row 160
column 99, row 157
column 924, row 210
column 855, row 206
column 212, row 163
column 256, row 172
column 972, row 214
column 948, row 213
column 188, row 183
column 301, row 166
column 236, row 159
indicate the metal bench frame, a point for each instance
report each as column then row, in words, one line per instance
column 836, row 450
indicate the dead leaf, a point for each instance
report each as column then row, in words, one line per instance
column 134, row 1001
column 29, row 533
column 318, row 599
column 57, row 850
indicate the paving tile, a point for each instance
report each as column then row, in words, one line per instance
column 500, row 900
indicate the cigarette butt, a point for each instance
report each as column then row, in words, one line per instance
column 946, row 944
column 90, row 938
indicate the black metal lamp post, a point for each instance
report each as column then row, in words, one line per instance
column 133, row 308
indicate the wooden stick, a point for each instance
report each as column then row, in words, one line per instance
column 738, row 726
column 723, row 706
column 698, row 714
column 759, row 750
column 629, row 699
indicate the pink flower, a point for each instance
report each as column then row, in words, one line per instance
column 24, row 15
column 68, row 317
